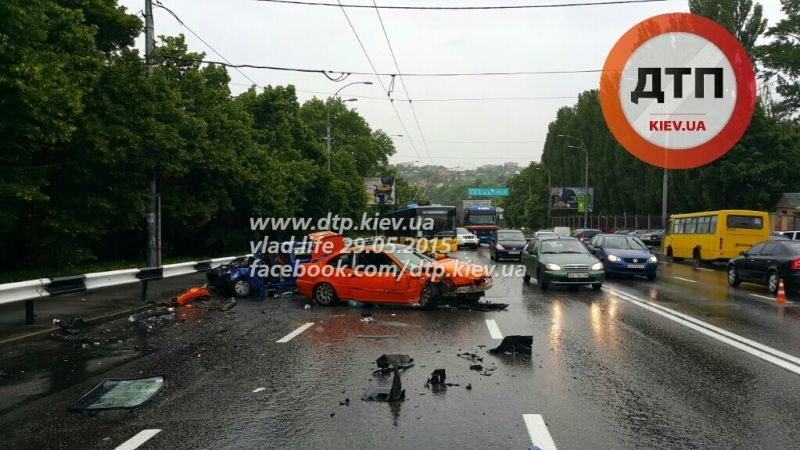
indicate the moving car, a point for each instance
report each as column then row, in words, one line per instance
column 507, row 244
column 622, row 254
column 776, row 236
column 652, row 237
column 562, row 231
column 584, row 234
column 793, row 235
column 391, row 273
column 466, row 239
column 714, row 235
column 767, row 263
column 562, row 261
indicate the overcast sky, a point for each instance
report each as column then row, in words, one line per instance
column 458, row 133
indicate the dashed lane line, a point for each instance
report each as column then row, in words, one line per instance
column 765, row 297
column 295, row 333
column 136, row 441
column 537, row 429
column 686, row 279
column 494, row 330
column 761, row 351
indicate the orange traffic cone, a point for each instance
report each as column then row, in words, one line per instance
column 781, row 297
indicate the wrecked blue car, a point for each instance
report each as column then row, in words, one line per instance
column 261, row 274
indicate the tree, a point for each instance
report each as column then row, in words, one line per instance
column 740, row 17
column 781, row 59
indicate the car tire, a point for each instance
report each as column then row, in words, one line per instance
column 427, row 297
column 672, row 258
column 543, row 285
column 733, row 276
column 597, row 286
column 651, row 277
column 241, row 288
column 526, row 278
column 772, row 282
column 325, row 294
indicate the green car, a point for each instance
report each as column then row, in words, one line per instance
column 562, row 261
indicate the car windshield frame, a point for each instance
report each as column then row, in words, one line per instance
column 638, row 245
column 409, row 257
column 575, row 247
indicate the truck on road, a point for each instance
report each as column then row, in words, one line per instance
column 479, row 217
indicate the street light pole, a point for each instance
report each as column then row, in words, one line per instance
column 586, row 179
column 328, row 116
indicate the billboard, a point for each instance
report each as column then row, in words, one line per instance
column 570, row 198
column 380, row 190
column 487, row 192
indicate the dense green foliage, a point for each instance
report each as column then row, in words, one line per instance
column 449, row 186
column 83, row 130
column 752, row 175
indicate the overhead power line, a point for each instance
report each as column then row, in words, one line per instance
column 328, row 72
column 210, row 47
column 402, row 81
column 466, row 8
column 380, row 81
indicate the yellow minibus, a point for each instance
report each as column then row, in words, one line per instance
column 714, row 235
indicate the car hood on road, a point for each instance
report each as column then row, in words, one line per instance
column 638, row 254
column 513, row 245
column 568, row 258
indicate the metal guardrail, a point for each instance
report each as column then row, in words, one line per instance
column 30, row 290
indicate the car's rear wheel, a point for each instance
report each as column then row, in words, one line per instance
column 597, row 286
column 733, row 276
column 526, row 278
column 427, row 297
column 543, row 285
column 772, row 282
column 241, row 288
column 651, row 277
column 324, row 294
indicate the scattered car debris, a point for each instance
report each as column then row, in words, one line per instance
column 470, row 356
column 191, row 295
column 483, row 307
column 477, row 367
column 78, row 325
column 308, row 306
column 228, row 305
column 469, row 387
column 399, row 361
column 119, row 393
column 515, row 344
column 438, row 376
column 144, row 315
column 368, row 319
column 346, row 402
column 386, row 393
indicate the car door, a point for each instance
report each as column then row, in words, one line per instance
column 746, row 266
column 599, row 251
column 377, row 277
column 763, row 261
column 531, row 257
column 338, row 271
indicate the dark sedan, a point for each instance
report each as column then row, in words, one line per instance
column 507, row 244
column 766, row 263
column 624, row 255
column 584, row 234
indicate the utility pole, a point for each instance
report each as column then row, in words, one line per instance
column 664, row 218
column 153, row 214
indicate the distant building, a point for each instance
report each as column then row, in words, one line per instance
column 787, row 212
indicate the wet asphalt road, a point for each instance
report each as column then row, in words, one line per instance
column 608, row 370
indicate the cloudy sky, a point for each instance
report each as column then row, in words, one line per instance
column 458, row 133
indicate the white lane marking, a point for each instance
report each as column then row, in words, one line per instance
column 138, row 440
column 686, row 279
column 295, row 333
column 494, row 330
column 537, row 429
column 763, row 296
column 706, row 269
column 769, row 354
column 259, row 389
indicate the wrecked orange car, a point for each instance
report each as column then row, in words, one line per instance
column 391, row 273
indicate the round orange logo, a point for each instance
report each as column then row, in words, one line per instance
column 677, row 91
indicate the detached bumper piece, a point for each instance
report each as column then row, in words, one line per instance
column 387, row 362
column 385, row 393
column 515, row 344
